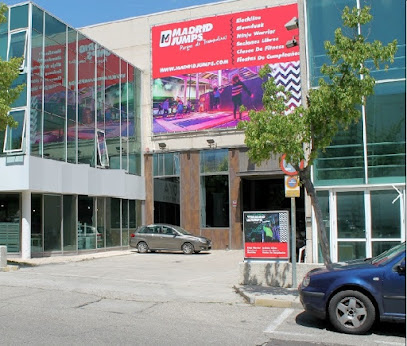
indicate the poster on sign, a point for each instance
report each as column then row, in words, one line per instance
column 203, row 70
column 266, row 234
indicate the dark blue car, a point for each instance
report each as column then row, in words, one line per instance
column 356, row 294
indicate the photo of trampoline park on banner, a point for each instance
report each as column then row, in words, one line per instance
column 205, row 69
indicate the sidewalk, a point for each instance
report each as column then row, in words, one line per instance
column 265, row 296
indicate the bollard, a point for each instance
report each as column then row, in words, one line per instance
column 3, row 256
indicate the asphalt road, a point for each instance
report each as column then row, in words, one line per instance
column 154, row 299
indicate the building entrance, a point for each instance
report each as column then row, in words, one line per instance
column 267, row 194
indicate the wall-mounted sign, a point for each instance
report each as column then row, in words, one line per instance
column 204, row 69
column 266, row 234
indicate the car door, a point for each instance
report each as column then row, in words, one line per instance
column 394, row 291
column 168, row 238
column 150, row 236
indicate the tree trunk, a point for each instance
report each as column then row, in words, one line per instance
column 323, row 240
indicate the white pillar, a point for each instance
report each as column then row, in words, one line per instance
column 26, row 225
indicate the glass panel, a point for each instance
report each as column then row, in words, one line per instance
column 381, row 246
column 3, row 46
column 132, row 216
column 22, row 99
column 72, row 119
column 4, row 26
column 14, row 135
column 111, row 110
column 167, row 200
column 214, row 161
column 215, row 195
column 52, row 223
column 86, row 95
column 112, row 222
column 86, row 226
column 36, row 223
column 323, row 199
column 348, row 251
column 19, row 17
column 10, row 221
column 124, row 110
column 125, row 222
column 37, row 71
column 386, row 133
column 386, row 222
column 69, row 218
column 351, row 214
column 166, row 164
column 54, row 90
column 385, row 12
column 101, row 222
column 342, row 162
column 17, row 45
column 37, row 19
column 323, row 18
column 103, row 156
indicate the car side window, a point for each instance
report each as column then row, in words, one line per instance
column 167, row 230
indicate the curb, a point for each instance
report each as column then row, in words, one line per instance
column 9, row 268
column 269, row 300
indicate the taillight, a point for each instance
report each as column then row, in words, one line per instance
column 132, row 235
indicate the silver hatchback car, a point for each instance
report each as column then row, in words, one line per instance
column 167, row 237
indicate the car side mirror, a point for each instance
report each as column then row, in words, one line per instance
column 401, row 268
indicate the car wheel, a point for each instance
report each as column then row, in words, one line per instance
column 187, row 248
column 351, row 312
column 142, row 247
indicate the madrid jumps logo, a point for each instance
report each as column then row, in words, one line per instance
column 186, row 35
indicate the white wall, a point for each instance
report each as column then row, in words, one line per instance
column 50, row 176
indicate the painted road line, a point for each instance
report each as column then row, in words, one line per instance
column 280, row 319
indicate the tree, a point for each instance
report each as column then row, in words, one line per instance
column 9, row 71
column 303, row 132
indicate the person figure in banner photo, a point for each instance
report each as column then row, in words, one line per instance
column 166, row 106
column 180, row 106
column 216, row 98
column 237, row 88
column 268, row 235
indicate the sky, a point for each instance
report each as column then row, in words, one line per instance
column 80, row 13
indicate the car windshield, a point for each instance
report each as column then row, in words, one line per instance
column 386, row 256
column 181, row 230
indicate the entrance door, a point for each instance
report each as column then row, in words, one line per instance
column 268, row 194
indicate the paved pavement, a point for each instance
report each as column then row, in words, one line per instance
column 256, row 295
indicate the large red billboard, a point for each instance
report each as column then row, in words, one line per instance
column 199, row 66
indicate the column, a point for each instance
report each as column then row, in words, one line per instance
column 26, row 225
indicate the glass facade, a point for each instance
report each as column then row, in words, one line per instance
column 81, row 105
column 364, row 169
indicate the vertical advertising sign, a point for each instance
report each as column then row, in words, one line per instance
column 205, row 69
column 266, row 234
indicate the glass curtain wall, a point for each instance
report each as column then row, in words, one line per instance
column 369, row 218
column 84, row 107
column 214, row 168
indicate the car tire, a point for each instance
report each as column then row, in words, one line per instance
column 351, row 312
column 187, row 248
column 142, row 247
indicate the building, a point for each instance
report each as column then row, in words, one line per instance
column 71, row 171
column 195, row 171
